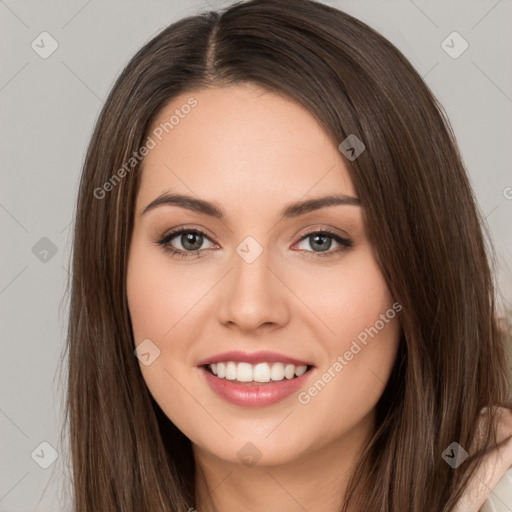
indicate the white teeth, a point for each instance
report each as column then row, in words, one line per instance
column 221, row 370
column 277, row 371
column 300, row 370
column 261, row 372
column 244, row 372
column 231, row 371
column 289, row 371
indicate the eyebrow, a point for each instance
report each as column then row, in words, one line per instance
column 292, row 210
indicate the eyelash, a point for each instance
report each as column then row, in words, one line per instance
column 164, row 242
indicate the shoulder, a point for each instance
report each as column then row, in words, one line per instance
column 494, row 470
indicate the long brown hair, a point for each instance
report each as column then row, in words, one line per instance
column 422, row 221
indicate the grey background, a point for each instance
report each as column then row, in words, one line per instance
column 49, row 107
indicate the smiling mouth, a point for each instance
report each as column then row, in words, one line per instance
column 256, row 374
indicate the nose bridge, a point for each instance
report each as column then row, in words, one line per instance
column 252, row 296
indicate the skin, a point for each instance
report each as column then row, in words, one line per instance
column 496, row 462
column 252, row 153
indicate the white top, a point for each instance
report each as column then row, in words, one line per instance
column 490, row 488
column 501, row 498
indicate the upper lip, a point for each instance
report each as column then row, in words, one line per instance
column 264, row 356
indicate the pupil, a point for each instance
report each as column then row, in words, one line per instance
column 322, row 247
column 189, row 238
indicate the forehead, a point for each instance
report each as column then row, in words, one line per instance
column 241, row 143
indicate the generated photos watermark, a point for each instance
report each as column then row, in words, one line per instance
column 305, row 397
column 152, row 140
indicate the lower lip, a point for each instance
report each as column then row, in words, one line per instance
column 253, row 394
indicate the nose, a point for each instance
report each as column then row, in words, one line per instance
column 253, row 296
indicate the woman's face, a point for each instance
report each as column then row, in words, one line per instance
column 267, row 278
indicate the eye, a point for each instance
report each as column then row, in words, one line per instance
column 190, row 240
column 322, row 240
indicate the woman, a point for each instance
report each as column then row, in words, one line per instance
column 273, row 216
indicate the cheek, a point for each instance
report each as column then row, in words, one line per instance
column 361, row 343
column 350, row 298
column 157, row 297
column 146, row 300
column 159, row 312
